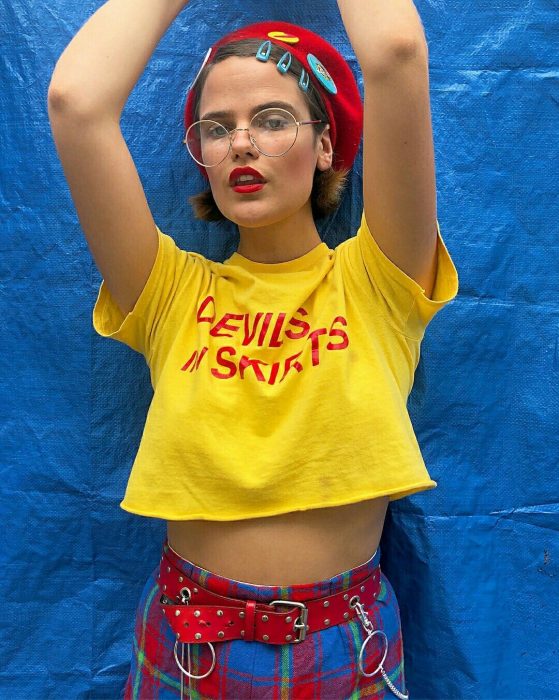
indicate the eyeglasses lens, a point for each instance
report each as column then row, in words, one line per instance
column 272, row 131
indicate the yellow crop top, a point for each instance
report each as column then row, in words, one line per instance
column 277, row 386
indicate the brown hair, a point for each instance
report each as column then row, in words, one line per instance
column 328, row 185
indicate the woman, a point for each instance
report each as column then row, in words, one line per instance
column 278, row 430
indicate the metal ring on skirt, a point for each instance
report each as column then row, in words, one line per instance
column 191, row 675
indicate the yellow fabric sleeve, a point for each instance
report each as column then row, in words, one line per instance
column 403, row 301
column 174, row 272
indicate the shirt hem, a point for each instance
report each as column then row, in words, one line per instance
column 396, row 493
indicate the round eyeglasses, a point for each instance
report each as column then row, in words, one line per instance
column 272, row 132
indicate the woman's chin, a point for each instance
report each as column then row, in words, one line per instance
column 252, row 214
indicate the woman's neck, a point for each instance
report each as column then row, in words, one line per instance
column 281, row 241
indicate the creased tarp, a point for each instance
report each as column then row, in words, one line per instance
column 475, row 561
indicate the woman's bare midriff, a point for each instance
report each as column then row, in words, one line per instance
column 296, row 547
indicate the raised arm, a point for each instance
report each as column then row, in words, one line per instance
column 399, row 191
column 90, row 85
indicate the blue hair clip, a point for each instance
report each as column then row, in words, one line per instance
column 304, row 81
column 284, row 62
column 263, row 53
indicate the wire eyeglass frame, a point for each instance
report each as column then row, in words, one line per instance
column 231, row 134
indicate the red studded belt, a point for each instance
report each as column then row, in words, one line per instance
column 198, row 615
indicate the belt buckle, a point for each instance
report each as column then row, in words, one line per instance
column 301, row 621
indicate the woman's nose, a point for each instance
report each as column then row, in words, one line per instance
column 241, row 143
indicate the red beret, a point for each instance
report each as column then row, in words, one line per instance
column 329, row 72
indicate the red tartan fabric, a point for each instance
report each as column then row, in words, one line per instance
column 323, row 666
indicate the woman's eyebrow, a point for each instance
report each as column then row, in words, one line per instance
column 265, row 105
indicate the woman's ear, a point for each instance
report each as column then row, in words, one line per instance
column 325, row 150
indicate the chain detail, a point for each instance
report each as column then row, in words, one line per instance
column 185, row 598
column 185, row 595
column 370, row 631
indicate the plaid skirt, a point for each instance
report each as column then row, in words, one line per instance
column 324, row 665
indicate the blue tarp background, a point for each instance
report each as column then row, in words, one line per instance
column 475, row 562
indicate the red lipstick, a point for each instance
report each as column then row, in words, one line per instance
column 252, row 181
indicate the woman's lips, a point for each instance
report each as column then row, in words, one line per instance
column 246, row 180
column 249, row 188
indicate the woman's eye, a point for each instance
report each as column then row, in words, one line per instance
column 275, row 123
column 217, row 131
